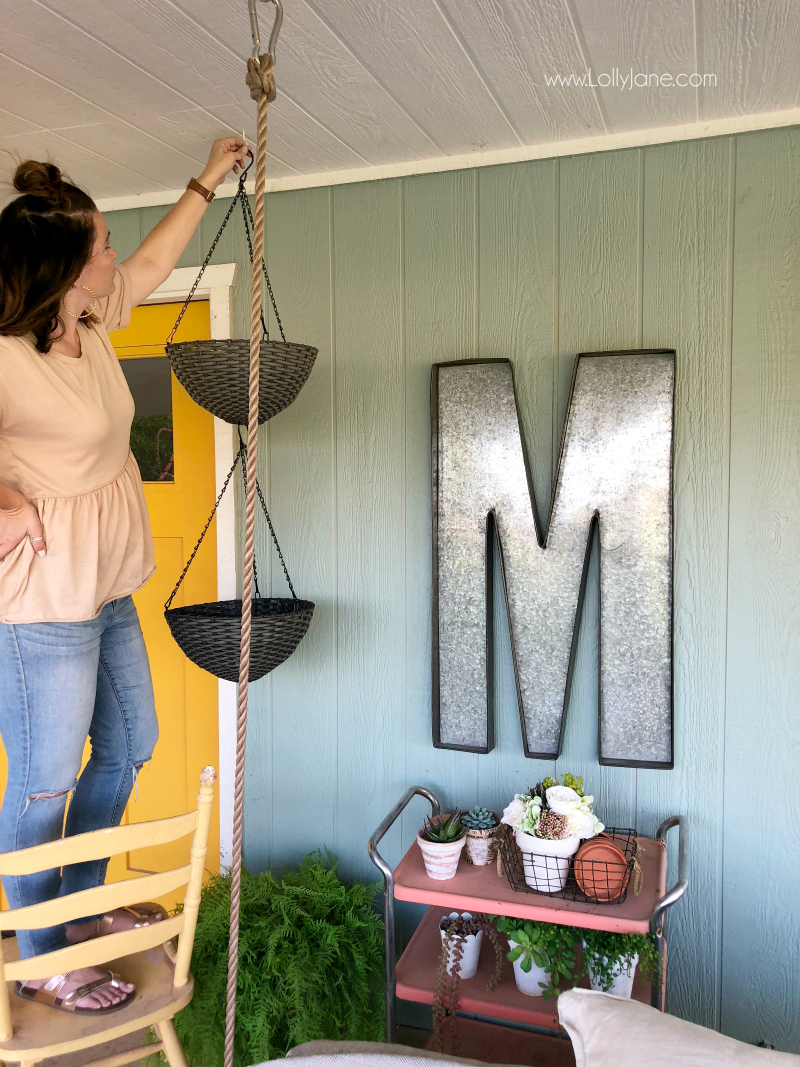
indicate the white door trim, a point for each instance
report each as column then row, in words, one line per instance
column 217, row 286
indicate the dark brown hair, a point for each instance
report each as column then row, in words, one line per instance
column 46, row 239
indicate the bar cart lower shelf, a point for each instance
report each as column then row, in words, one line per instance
column 416, row 980
column 500, row 1044
column 479, row 889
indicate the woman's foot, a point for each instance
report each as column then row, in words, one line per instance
column 108, row 990
column 114, row 922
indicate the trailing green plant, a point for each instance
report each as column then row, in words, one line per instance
column 548, row 945
column 310, row 965
column 443, row 831
column 445, row 995
column 614, row 952
column 478, row 819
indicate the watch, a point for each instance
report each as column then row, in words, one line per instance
column 206, row 194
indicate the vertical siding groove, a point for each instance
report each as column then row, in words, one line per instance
column 334, row 496
column 729, row 275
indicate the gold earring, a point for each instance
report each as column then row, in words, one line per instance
column 89, row 311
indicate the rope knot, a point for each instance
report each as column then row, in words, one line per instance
column 259, row 78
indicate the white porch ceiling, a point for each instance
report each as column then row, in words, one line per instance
column 127, row 94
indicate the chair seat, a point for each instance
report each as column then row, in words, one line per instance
column 151, row 972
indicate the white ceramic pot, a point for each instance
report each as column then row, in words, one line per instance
column 623, row 972
column 545, row 863
column 529, row 982
column 468, row 966
column 441, row 859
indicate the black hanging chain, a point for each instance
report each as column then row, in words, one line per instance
column 275, row 539
column 239, row 456
column 247, row 213
column 240, row 196
column 243, row 449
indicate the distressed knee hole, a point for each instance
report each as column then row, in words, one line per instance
column 136, row 768
column 54, row 795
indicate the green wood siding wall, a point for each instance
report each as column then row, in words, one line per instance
column 692, row 246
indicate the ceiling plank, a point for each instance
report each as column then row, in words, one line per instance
column 753, row 48
column 98, row 176
column 640, row 38
column 92, row 69
column 317, row 72
column 409, row 50
column 516, row 43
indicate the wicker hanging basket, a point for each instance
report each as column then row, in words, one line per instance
column 210, row 634
column 215, row 373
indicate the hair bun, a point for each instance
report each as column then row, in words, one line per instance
column 40, row 179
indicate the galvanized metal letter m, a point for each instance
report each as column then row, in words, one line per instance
column 615, row 469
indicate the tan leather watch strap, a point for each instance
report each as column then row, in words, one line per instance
column 206, row 194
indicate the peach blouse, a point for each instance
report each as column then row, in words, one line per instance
column 65, row 444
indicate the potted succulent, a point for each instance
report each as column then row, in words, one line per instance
column 611, row 960
column 461, row 940
column 549, row 823
column 481, row 830
column 541, row 953
column 441, row 839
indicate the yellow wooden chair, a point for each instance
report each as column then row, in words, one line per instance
column 145, row 956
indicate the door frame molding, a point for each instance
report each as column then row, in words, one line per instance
column 217, row 287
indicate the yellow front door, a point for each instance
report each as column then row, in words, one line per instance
column 175, row 451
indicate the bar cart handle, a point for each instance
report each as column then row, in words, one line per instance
column 673, row 895
column 388, row 893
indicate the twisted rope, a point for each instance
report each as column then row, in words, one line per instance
column 261, row 83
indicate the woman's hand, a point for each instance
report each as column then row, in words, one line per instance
column 227, row 154
column 18, row 522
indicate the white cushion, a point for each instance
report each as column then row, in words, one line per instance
column 607, row 1031
column 365, row 1053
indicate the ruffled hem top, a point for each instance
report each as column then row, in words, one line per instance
column 65, row 444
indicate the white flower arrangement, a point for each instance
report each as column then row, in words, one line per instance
column 525, row 811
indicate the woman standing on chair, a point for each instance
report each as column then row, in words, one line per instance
column 74, row 542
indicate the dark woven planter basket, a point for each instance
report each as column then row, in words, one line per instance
column 215, row 374
column 209, row 634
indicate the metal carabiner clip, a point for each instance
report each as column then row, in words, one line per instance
column 276, row 28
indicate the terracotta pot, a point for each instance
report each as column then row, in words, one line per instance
column 481, row 844
column 545, row 863
column 441, row 858
column 601, row 869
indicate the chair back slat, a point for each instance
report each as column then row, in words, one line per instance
column 97, row 951
column 95, row 901
column 97, row 844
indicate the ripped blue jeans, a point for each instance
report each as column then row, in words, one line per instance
column 59, row 683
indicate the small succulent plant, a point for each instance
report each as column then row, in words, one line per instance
column 552, row 826
column 478, row 819
column 442, row 831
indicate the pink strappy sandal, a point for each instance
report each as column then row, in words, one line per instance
column 50, row 993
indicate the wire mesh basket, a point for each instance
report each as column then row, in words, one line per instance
column 595, row 881
column 210, row 634
column 215, row 375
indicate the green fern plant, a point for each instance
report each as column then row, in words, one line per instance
column 310, row 965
